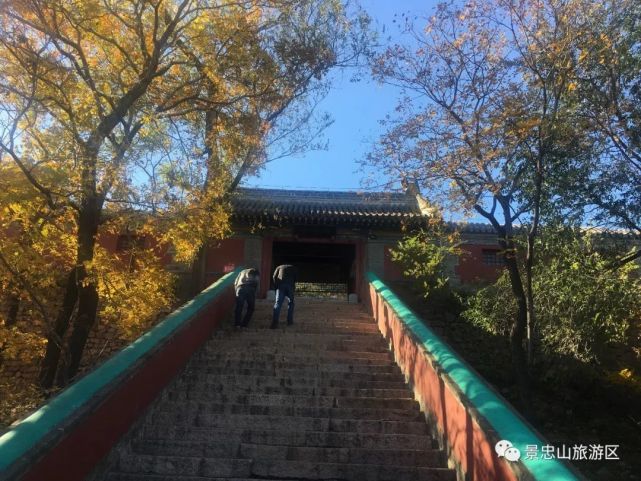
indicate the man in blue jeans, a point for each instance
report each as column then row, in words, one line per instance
column 246, row 286
column 285, row 284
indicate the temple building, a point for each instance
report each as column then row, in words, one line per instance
column 335, row 237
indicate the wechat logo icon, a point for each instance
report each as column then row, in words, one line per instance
column 504, row 448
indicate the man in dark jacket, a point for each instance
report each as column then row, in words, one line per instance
column 285, row 284
column 246, row 286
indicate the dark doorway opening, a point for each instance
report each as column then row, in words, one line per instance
column 324, row 269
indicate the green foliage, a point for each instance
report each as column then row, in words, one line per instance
column 422, row 257
column 582, row 304
column 493, row 308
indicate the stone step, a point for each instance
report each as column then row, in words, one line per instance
column 303, row 310
column 313, row 312
column 269, row 352
column 366, row 472
column 264, row 322
column 399, row 457
column 185, row 465
column 315, row 321
column 169, row 413
column 321, row 310
column 115, row 476
column 284, row 437
column 260, row 335
column 268, row 336
column 320, row 321
column 288, row 400
column 302, row 316
column 286, row 369
column 288, row 347
column 228, row 388
column 247, row 361
column 295, row 423
column 296, row 357
column 301, row 328
column 178, row 447
column 234, row 448
column 294, row 375
column 273, row 381
column 326, row 325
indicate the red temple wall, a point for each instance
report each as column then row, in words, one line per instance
column 471, row 268
column 108, row 241
column 230, row 253
column 392, row 271
column 225, row 257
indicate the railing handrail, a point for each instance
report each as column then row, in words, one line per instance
column 37, row 427
column 495, row 410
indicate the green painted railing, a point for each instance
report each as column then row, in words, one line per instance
column 32, row 430
column 500, row 415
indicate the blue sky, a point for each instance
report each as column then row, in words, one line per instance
column 356, row 109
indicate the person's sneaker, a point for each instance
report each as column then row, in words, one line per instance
column 274, row 326
column 290, row 323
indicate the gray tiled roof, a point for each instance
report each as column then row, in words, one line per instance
column 324, row 207
column 358, row 209
column 472, row 227
column 386, row 209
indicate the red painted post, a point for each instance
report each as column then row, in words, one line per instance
column 360, row 266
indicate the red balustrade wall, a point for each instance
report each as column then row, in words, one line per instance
column 84, row 444
column 470, row 448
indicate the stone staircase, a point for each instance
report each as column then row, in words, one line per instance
column 320, row 400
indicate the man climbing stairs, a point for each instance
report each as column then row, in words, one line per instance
column 319, row 400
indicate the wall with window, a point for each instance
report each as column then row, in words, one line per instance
column 480, row 263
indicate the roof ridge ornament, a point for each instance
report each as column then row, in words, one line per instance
column 411, row 188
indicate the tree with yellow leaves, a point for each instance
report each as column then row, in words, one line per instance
column 282, row 79
column 102, row 109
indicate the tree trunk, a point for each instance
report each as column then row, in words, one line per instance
column 519, row 327
column 55, row 336
column 518, row 331
column 13, row 302
column 88, row 222
column 529, row 258
column 531, row 315
column 87, row 311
